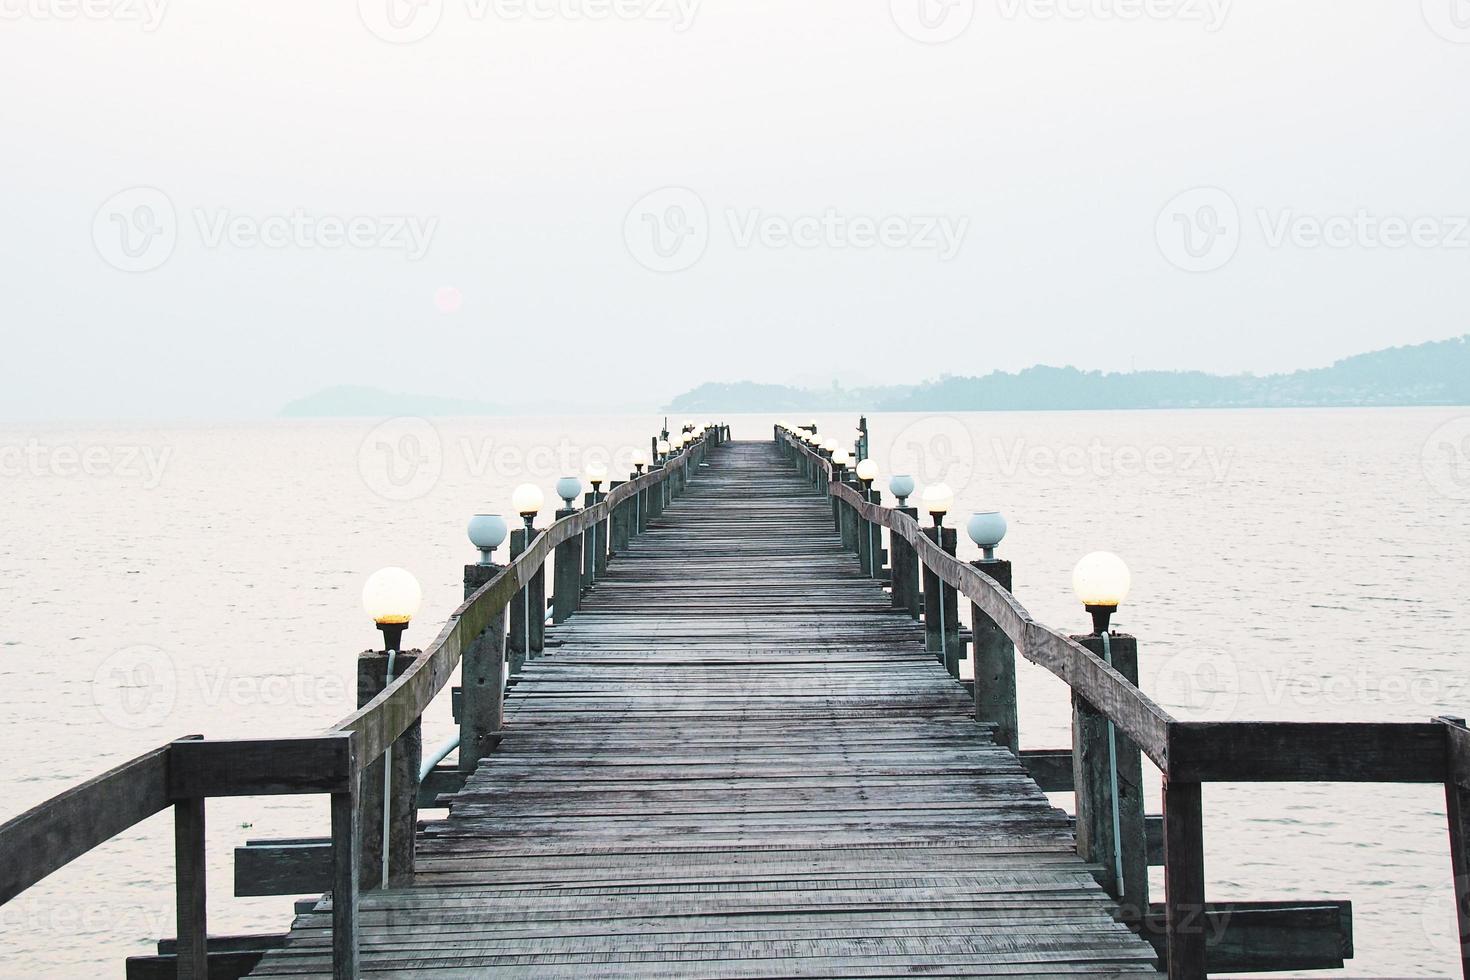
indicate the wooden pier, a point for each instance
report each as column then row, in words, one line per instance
column 744, row 751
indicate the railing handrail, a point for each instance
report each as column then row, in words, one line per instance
column 389, row 714
column 1133, row 712
column 1407, row 752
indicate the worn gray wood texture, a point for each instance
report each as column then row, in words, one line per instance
column 740, row 762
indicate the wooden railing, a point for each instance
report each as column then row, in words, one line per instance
column 184, row 773
column 1114, row 720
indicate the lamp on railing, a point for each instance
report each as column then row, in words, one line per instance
column 527, row 500
column 938, row 499
column 568, row 488
column 487, row 532
column 662, row 448
column 640, row 460
column 841, row 460
column 1101, row 580
column 987, row 529
column 901, row 485
column 597, row 476
column 392, row 597
column 867, row 471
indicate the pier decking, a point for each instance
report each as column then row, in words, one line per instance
column 740, row 762
column 743, row 751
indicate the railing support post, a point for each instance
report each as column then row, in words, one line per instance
column 1184, row 880
column 587, row 542
column 864, row 536
column 190, row 891
column 482, row 675
column 621, row 527
column 406, row 753
column 995, row 666
column 941, row 608
column 905, row 565
column 566, row 574
column 1457, row 809
column 346, row 860
column 601, row 539
column 528, row 609
column 847, row 520
column 1108, row 774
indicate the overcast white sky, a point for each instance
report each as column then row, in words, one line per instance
column 1021, row 181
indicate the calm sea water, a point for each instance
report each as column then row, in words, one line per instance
column 164, row 581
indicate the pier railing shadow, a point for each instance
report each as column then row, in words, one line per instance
column 185, row 773
column 1114, row 720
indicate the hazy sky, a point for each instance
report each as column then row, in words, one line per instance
column 211, row 208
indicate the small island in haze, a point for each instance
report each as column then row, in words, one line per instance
column 1434, row 373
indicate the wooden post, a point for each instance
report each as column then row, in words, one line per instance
column 864, row 535
column 589, row 548
column 621, row 527
column 566, row 574
column 482, row 680
column 941, row 605
column 1457, row 809
column 538, row 605
column 1184, row 880
column 905, row 564
column 518, row 642
column 601, row 539
column 403, row 788
column 995, row 666
column 656, row 498
column 190, row 892
column 846, row 521
column 346, row 859
column 1107, row 771
column 874, row 533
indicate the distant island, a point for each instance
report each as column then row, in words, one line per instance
column 1434, row 373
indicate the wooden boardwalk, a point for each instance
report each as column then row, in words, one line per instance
column 739, row 762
